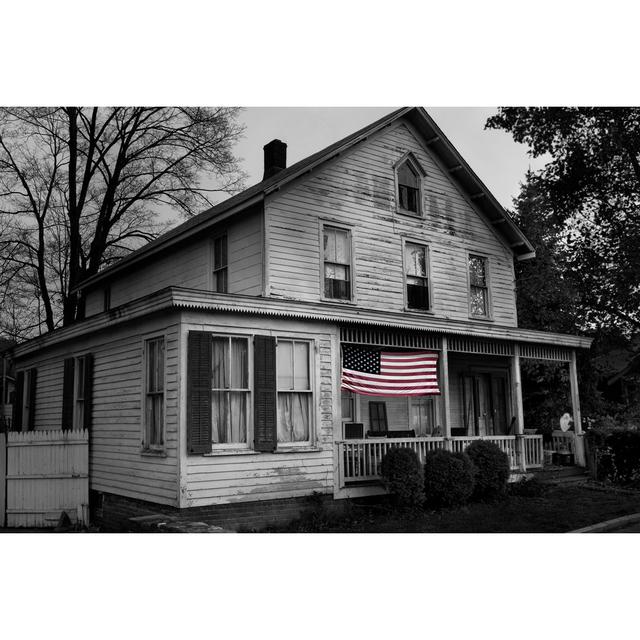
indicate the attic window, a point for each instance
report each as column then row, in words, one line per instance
column 409, row 182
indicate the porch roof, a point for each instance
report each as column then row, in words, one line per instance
column 180, row 298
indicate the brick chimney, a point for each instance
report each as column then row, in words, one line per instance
column 275, row 158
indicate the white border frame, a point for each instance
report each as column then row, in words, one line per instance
column 327, row 222
column 489, row 316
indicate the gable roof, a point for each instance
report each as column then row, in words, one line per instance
column 459, row 171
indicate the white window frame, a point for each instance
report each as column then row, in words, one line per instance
column 78, row 384
column 214, row 271
column 148, row 448
column 237, row 446
column 410, row 158
column 322, row 223
column 283, row 446
column 409, row 240
column 487, row 273
column 26, row 407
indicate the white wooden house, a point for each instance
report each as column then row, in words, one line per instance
column 208, row 366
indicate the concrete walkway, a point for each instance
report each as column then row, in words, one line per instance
column 625, row 524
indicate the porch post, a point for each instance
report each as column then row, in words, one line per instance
column 575, row 405
column 517, row 396
column 444, row 378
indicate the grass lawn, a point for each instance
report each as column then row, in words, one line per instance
column 557, row 510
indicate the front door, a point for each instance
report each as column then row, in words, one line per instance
column 485, row 400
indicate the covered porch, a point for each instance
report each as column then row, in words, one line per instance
column 480, row 399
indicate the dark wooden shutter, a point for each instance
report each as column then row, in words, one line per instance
column 265, row 400
column 88, row 390
column 199, row 392
column 18, row 400
column 67, row 394
column 33, row 378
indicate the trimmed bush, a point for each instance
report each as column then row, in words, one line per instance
column 492, row 469
column 449, row 478
column 403, row 477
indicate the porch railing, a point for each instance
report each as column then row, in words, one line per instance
column 563, row 441
column 359, row 460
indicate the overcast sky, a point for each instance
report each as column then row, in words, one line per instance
column 499, row 162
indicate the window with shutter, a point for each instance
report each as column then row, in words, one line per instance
column 294, row 391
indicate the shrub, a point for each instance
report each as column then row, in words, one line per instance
column 449, row 478
column 492, row 469
column 625, row 451
column 403, row 476
column 528, row 488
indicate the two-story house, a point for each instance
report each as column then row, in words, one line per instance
column 209, row 366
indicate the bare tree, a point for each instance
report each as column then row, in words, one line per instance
column 80, row 187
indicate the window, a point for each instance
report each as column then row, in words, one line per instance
column 378, row 417
column 78, row 394
column 107, row 297
column 478, row 286
column 348, row 406
column 417, row 276
column 408, row 188
column 421, row 410
column 220, row 264
column 337, row 263
column 154, row 395
column 27, row 419
column 294, row 391
column 230, row 392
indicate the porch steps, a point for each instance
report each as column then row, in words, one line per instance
column 562, row 475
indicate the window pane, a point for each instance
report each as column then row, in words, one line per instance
column 417, row 294
column 330, row 245
column 219, row 415
column 285, row 364
column 343, row 249
column 478, row 301
column 239, row 364
column 422, row 416
column 301, row 366
column 407, row 176
column 220, row 363
column 416, row 260
column 220, row 252
column 477, row 271
column 293, row 417
column 220, row 281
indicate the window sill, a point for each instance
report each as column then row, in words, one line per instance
column 338, row 301
column 231, row 452
column 150, row 453
column 300, row 449
column 409, row 214
column 420, row 312
column 481, row 318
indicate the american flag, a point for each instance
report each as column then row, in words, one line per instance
column 371, row 372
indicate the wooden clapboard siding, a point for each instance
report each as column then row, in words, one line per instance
column 190, row 266
column 224, row 478
column 116, row 462
column 358, row 190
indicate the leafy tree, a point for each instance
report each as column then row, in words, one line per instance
column 591, row 189
column 80, row 187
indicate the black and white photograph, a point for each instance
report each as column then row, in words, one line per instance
column 388, row 354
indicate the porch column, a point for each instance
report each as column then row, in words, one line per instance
column 519, row 411
column 444, row 386
column 575, row 405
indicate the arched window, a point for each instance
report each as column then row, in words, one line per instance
column 409, row 178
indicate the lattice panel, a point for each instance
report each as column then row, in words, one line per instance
column 463, row 344
column 544, row 352
column 386, row 338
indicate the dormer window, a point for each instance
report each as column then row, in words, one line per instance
column 409, row 176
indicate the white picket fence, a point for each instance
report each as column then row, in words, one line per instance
column 47, row 472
